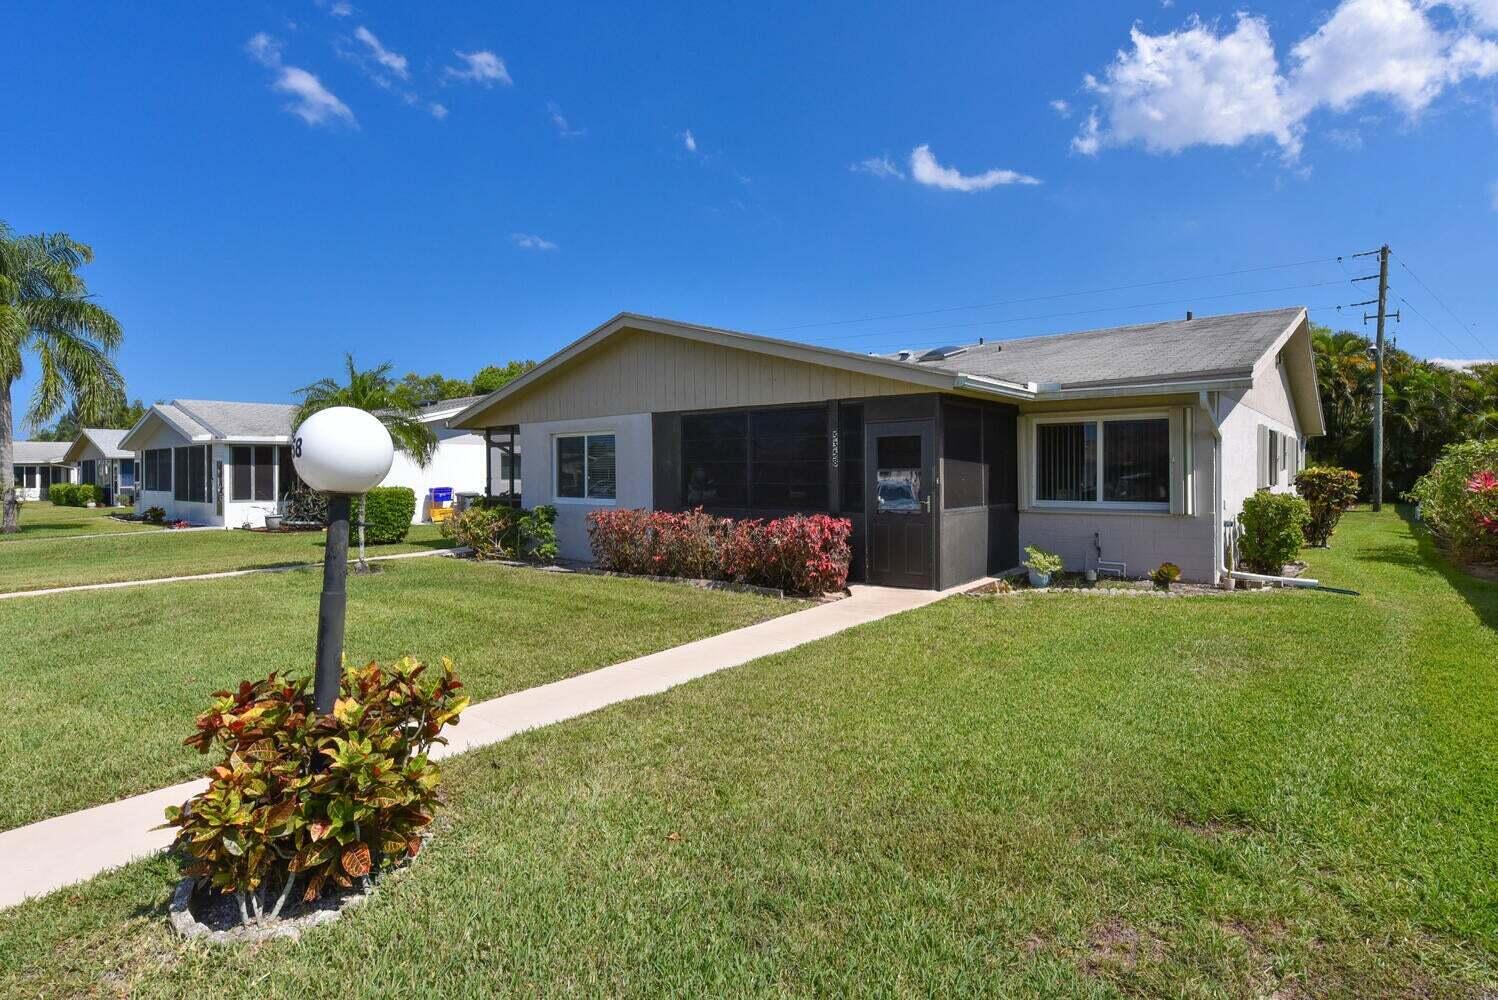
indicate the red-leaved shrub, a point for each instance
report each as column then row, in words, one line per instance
column 801, row 554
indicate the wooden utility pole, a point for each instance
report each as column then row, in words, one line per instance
column 1378, row 380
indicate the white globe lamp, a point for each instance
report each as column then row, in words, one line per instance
column 342, row 450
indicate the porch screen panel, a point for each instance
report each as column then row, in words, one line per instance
column 289, row 479
column 715, row 459
column 850, row 455
column 197, row 471
column 180, row 473
column 1066, row 461
column 1136, row 461
column 788, row 450
column 265, row 472
column 962, row 456
column 240, row 486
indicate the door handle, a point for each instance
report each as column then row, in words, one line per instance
column 926, row 503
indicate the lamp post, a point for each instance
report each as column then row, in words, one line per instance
column 343, row 452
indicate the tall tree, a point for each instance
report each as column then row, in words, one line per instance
column 45, row 311
column 492, row 377
column 121, row 416
column 376, row 392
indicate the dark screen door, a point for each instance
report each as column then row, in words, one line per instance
column 901, row 461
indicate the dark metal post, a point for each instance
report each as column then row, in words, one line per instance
column 331, row 607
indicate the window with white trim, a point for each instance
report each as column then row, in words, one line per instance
column 1123, row 460
column 585, row 467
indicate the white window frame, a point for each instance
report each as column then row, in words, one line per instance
column 1128, row 506
column 556, row 468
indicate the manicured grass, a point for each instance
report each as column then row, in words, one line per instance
column 102, row 687
column 42, row 519
column 68, row 562
column 1044, row 795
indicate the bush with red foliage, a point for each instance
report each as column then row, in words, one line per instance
column 800, row 554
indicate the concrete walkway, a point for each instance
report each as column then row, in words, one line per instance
column 226, row 574
column 57, row 852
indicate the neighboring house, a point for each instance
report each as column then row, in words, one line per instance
column 458, row 463
column 39, row 464
column 1131, row 445
column 229, row 464
column 214, row 462
column 105, row 463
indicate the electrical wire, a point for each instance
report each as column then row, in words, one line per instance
column 1481, row 345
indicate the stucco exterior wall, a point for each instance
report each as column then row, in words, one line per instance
column 1240, row 414
column 458, row 463
column 1185, row 535
column 633, row 469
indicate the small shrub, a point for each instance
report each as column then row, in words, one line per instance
column 1458, row 499
column 1165, row 574
column 1328, row 492
column 57, row 492
column 503, row 532
column 801, row 553
column 387, row 514
column 1043, row 562
column 1273, row 529
column 154, row 515
column 305, row 802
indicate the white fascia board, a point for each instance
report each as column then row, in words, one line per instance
column 995, row 386
column 1147, row 388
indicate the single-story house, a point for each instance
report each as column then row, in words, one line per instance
column 229, row 464
column 214, row 462
column 1133, row 445
column 36, row 465
column 458, row 463
column 103, row 461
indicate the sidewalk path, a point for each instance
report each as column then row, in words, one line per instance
column 284, row 568
column 56, row 852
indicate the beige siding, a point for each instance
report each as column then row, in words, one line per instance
column 637, row 372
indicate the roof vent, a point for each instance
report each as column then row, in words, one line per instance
column 942, row 353
column 902, row 355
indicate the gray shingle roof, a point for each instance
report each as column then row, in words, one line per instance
column 107, row 440
column 224, row 420
column 456, row 403
column 1179, row 349
column 40, row 452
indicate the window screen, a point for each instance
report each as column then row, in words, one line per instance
column 788, row 459
column 715, row 459
column 241, row 487
column 1066, row 461
column 586, row 467
column 1136, row 461
column 570, row 459
column 601, row 467
column 265, row 472
column 179, row 473
column 962, row 457
column 289, row 479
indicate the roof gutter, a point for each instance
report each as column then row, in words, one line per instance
column 994, row 386
column 1055, row 391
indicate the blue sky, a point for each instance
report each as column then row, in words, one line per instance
column 268, row 185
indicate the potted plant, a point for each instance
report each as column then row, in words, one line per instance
column 1164, row 575
column 273, row 522
column 1042, row 565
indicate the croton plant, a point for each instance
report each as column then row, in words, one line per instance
column 306, row 802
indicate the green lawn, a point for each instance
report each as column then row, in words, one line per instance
column 102, row 687
column 41, row 519
column 1288, row 795
column 65, row 562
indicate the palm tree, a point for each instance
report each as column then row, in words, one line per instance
column 45, row 310
column 376, row 392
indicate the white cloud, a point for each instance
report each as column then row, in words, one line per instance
column 925, row 170
column 1462, row 364
column 564, row 130
column 689, row 141
column 1199, row 85
column 341, row 9
column 878, row 166
column 437, row 111
column 1061, row 107
column 1089, row 138
column 310, row 101
column 483, row 67
column 392, row 61
column 1347, row 138
column 527, row 241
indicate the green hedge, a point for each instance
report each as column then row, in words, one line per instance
column 387, row 514
column 1273, row 530
column 1457, row 504
column 72, row 494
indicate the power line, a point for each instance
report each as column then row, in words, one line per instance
column 1046, row 298
column 1481, row 346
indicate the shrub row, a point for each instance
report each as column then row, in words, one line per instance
column 503, row 532
column 73, row 494
column 387, row 514
column 800, row 554
column 1458, row 499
